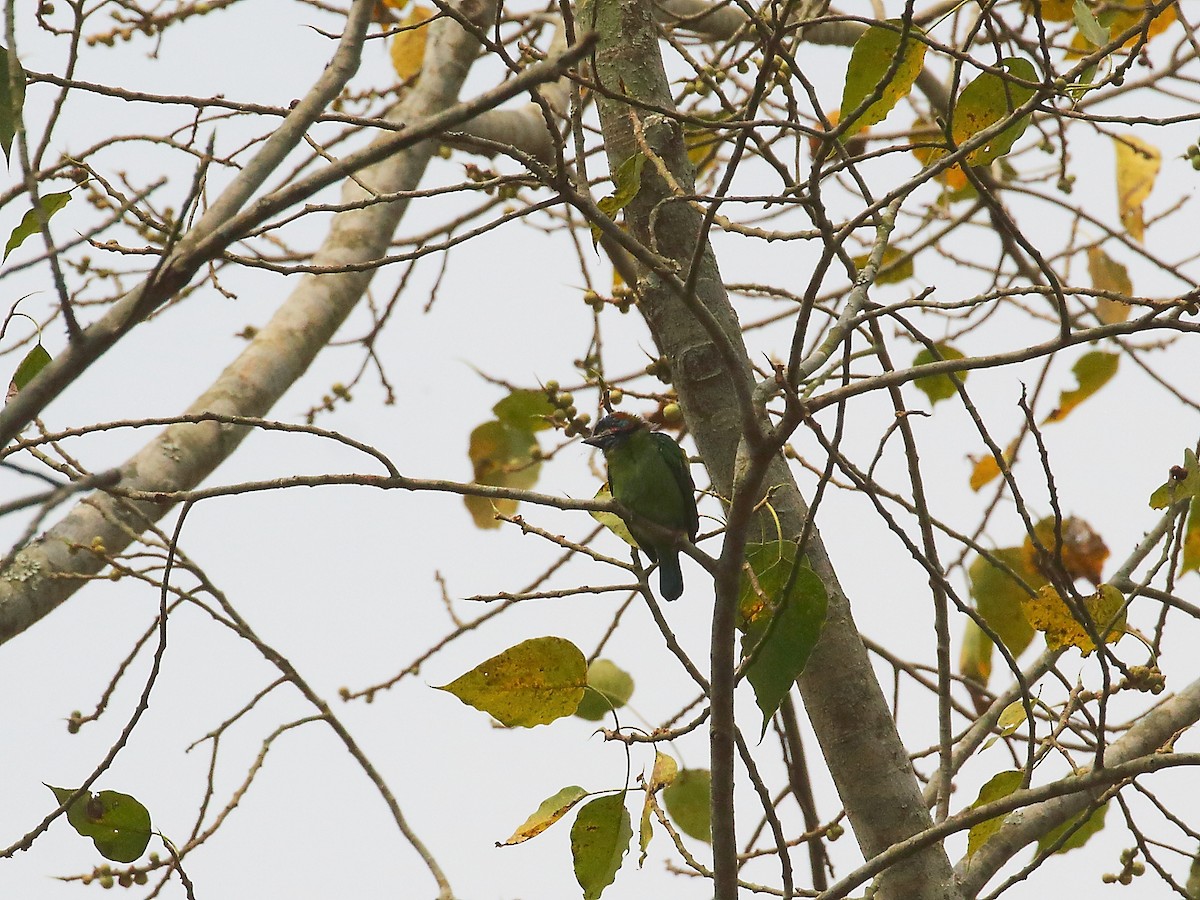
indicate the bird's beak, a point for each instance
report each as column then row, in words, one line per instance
column 594, row 440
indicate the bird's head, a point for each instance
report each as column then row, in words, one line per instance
column 614, row 429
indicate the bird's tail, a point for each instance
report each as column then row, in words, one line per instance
column 670, row 578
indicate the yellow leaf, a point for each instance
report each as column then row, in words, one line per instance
column 1109, row 275
column 1049, row 614
column 1052, row 10
column 986, row 469
column 924, row 133
column 408, row 45
column 1092, row 370
column 1138, row 163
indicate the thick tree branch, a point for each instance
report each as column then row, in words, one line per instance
column 180, row 458
column 845, row 704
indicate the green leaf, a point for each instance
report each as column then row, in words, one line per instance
column 998, row 595
column 1092, row 370
column 627, row 182
column 1092, row 822
column 782, row 607
column 629, row 179
column 533, row 683
column 1184, row 483
column 1088, row 26
column 51, row 203
column 612, row 521
column 687, row 799
column 502, row 455
column 599, row 841
column 1191, row 539
column 525, row 410
column 870, row 62
column 551, row 810
column 990, row 99
column 10, row 103
column 999, row 786
column 938, row 387
column 118, row 824
column 609, row 688
column 35, row 360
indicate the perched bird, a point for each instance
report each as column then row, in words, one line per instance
column 648, row 472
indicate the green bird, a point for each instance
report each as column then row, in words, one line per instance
column 648, row 472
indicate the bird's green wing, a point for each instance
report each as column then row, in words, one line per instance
column 677, row 461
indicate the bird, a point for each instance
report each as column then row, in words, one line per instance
column 648, row 473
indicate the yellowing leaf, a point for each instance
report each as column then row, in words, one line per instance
column 703, row 142
column 550, row 811
column 1109, row 275
column 1184, row 483
column 1049, row 614
column 891, row 271
column 599, row 841
column 408, row 44
column 998, row 596
column 938, row 387
column 1092, row 370
column 975, row 658
column 609, row 688
column 924, row 136
column 867, row 76
column 532, row 683
column 663, row 775
column 1012, row 718
column 664, row 771
column 1083, row 551
column 612, row 521
column 687, row 802
column 505, row 453
column 998, row 787
column 988, row 100
column 1138, row 163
